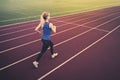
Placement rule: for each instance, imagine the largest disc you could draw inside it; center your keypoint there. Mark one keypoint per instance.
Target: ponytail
(44, 17)
(42, 21)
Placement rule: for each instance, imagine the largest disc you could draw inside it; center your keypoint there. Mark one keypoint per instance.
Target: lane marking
(16, 31)
(22, 18)
(52, 35)
(31, 28)
(99, 18)
(97, 29)
(24, 35)
(18, 26)
(38, 52)
(36, 40)
(58, 16)
(56, 22)
(77, 54)
(110, 20)
(38, 20)
(21, 60)
(28, 34)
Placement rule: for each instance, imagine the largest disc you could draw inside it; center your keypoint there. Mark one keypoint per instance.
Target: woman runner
(47, 28)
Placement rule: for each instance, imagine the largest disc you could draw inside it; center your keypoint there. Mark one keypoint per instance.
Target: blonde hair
(44, 16)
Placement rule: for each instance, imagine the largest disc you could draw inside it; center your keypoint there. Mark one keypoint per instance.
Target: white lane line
(38, 52)
(35, 33)
(23, 25)
(57, 22)
(77, 16)
(30, 34)
(31, 28)
(51, 18)
(20, 25)
(100, 18)
(56, 16)
(86, 26)
(77, 54)
(83, 25)
(75, 11)
(96, 29)
(52, 35)
(21, 60)
(38, 19)
(36, 16)
(16, 31)
(36, 40)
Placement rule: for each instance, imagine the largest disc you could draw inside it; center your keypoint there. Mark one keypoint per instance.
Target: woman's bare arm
(40, 24)
(37, 28)
(53, 27)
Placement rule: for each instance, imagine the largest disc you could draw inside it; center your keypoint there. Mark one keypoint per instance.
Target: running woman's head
(45, 16)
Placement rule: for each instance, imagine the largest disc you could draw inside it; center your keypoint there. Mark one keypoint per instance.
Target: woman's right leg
(44, 49)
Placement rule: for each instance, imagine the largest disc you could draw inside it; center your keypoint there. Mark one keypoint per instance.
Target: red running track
(87, 43)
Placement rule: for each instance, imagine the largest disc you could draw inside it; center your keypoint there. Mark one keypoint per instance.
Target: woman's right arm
(36, 29)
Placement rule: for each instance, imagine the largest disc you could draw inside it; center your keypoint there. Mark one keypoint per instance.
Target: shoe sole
(35, 66)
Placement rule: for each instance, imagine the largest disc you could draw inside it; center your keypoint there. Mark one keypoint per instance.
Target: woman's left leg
(53, 55)
(51, 47)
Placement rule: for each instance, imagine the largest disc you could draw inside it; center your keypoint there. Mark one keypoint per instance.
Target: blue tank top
(46, 31)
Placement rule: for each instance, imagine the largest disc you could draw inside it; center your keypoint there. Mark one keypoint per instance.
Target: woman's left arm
(53, 27)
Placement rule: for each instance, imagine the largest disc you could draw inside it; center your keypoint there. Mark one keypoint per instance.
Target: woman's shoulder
(50, 23)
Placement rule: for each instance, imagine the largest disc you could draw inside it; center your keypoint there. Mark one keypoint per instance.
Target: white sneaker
(35, 64)
(54, 55)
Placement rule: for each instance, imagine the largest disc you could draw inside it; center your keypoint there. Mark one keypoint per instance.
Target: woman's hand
(36, 29)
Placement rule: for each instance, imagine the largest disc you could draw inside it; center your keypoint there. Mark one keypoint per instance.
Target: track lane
(97, 21)
(37, 21)
(13, 41)
(23, 40)
(22, 29)
(9, 36)
(116, 8)
(112, 25)
(18, 50)
(64, 53)
(24, 51)
(13, 77)
(107, 10)
(93, 24)
(100, 62)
